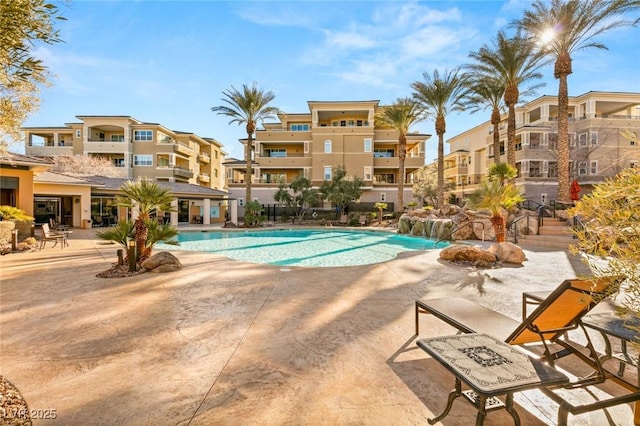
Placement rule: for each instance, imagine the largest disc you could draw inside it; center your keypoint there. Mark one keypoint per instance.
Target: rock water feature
(458, 223)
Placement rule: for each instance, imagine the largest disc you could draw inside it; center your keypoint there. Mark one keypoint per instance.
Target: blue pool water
(303, 247)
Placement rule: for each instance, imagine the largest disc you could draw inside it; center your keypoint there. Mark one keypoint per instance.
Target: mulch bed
(119, 271)
(13, 408)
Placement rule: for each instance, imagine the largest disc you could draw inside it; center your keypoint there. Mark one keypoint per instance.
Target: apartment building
(313, 143)
(139, 149)
(598, 149)
(190, 166)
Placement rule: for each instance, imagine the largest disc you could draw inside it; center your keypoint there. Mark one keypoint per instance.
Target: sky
(169, 62)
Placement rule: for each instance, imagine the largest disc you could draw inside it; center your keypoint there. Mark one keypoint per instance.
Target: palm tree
(147, 196)
(487, 91)
(248, 107)
(514, 61)
(400, 116)
(566, 27)
(493, 195)
(437, 96)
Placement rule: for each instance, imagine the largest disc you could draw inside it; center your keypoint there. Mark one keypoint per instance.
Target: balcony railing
(204, 158)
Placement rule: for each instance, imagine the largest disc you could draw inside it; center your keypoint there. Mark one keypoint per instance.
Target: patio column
(174, 213)
(233, 211)
(206, 214)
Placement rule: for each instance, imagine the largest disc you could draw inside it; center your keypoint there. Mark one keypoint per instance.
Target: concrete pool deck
(229, 342)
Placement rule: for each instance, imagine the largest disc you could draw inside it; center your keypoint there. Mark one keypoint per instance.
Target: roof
(114, 184)
(59, 178)
(12, 158)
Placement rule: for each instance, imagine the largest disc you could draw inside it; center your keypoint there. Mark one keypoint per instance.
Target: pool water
(303, 247)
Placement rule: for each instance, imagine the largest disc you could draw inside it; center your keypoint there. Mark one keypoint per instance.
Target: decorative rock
(508, 253)
(467, 253)
(162, 262)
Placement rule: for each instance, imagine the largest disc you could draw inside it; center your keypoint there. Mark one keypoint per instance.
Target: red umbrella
(575, 190)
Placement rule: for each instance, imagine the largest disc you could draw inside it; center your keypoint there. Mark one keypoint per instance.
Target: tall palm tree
(438, 95)
(563, 27)
(487, 92)
(249, 107)
(400, 116)
(146, 196)
(514, 61)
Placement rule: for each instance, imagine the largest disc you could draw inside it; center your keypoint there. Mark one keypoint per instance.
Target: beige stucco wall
(81, 208)
(25, 188)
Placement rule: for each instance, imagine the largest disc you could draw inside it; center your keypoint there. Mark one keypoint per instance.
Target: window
(327, 147)
(299, 127)
(593, 167)
(582, 139)
(384, 178)
(383, 152)
(594, 138)
(582, 168)
(367, 173)
(143, 160)
(327, 173)
(367, 145)
(276, 152)
(118, 162)
(117, 138)
(142, 135)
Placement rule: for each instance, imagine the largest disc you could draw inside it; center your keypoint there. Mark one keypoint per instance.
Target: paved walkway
(226, 342)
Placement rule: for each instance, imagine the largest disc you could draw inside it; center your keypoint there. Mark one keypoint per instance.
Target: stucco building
(598, 122)
(313, 143)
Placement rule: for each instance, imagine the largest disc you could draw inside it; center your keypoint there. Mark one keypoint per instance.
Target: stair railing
(514, 225)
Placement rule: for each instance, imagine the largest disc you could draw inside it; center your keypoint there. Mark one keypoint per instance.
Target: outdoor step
(550, 241)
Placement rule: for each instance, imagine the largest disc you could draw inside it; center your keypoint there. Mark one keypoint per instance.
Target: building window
(383, 153)
(117, 138)
(143, 135)
(384, 178)
(299, 127)
(143, 160)
(582, 168)
(582, 139)
(118, 162)
(306, 147)
(327, 173)
(367, 172)
(594, 138)
(276, 152)
(593, 168)
(327, 147)
(367, 145)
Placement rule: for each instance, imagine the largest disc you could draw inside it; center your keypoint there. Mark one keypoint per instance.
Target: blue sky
(169, 61)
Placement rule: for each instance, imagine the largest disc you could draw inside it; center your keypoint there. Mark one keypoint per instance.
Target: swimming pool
(303, 247)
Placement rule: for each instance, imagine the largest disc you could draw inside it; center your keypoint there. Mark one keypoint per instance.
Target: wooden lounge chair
(48, 235)
(562, 311)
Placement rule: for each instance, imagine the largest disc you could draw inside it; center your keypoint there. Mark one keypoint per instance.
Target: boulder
(162, 262)
(468, 253)
(508, 252)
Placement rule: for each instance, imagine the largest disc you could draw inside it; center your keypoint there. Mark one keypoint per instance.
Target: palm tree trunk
(402, 154)
(511, 136)
(247, 156)
(495, 120)
(563, 140)
(441, 127)
(498, 224)
(141, 234)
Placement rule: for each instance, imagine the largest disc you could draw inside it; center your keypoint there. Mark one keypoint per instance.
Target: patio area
(227, 342)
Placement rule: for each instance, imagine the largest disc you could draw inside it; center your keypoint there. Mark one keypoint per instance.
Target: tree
(494, 195)
(610, 232)
(381, 207)
(487, 92)
(253, 214)
(341, 189)
(147, 197)
(85, 165)
(501, 172)
(23, 23)
(249, 107)
(513, 61)
(560, 28)
(14, 214)
(301, 200)
(438, 95)
(400, 116)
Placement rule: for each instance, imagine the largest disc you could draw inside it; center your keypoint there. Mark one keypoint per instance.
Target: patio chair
(48, 235)
(57, 226)
(562, 311)
(362, 220)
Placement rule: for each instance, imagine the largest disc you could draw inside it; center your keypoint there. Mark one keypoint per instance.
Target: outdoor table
(490, 368)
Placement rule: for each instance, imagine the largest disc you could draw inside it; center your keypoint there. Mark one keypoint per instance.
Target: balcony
(98, 146)
(286, 162)
(204, 158)
(392, 162)
(43, 151)
(203, 177)
(179, 148)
